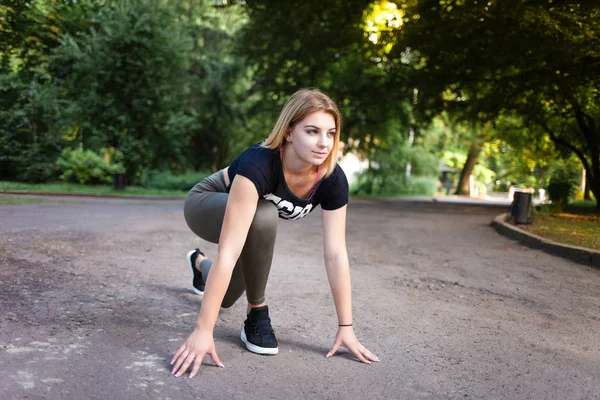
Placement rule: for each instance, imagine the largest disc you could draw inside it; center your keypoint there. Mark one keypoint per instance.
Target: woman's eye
(331, 134)
(312, 131)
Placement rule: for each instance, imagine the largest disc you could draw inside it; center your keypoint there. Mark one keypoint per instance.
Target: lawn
(581, 230)
(72, 188)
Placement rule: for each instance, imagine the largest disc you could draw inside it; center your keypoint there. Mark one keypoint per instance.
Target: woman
(286, 176)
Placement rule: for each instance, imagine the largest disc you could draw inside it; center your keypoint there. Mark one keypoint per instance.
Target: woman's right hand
(197, 345)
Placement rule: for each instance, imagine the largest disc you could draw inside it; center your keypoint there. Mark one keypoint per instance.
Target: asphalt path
(95, 298)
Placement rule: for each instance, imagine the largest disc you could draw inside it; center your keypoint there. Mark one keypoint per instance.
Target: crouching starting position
(286, 176)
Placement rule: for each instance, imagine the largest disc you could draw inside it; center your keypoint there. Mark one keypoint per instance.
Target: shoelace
(263, 327)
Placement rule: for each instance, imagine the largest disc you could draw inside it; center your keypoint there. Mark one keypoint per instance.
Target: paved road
(95, 299)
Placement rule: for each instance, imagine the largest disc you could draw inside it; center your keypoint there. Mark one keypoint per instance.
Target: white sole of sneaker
(257, 349)
(189, 261)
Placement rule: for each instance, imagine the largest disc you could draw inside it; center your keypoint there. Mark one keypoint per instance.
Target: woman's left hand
(345, 337)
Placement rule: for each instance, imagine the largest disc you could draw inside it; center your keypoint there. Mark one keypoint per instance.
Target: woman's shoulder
(336, 182)
(254, 158)
(255, 163)
(338, 176)
(258, 152)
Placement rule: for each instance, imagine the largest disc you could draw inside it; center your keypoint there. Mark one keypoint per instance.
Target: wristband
(340, 325)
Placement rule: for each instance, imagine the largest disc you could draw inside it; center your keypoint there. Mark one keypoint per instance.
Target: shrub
(38, 171)
(36, 164)
(563, 181)
(422, 185)
(87, 167)
(369, 183)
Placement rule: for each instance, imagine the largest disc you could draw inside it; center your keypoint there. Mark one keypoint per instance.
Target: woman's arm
(338, 273)
(336, 262)
(239, 213)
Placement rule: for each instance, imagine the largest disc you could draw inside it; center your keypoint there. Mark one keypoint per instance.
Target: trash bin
(519, 209)
(118, 181)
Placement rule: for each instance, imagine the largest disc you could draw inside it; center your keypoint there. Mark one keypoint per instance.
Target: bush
(169, 181)
(87, 167)
(36, 164)
(369, 183)
(421, 185)
(563, 181)
(39, 171)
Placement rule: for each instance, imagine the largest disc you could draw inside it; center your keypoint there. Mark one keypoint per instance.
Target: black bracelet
(340, 325)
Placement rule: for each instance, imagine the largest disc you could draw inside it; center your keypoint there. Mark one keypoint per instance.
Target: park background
(95, 291)
(166, 91)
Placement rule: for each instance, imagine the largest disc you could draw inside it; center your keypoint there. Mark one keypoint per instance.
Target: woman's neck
(294, 166)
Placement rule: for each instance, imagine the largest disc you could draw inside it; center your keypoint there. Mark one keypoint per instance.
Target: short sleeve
(336, 195)
(254, 164)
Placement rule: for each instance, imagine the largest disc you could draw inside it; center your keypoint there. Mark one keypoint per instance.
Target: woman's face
(312, 138)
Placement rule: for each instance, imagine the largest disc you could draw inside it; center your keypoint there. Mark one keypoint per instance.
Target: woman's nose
(322, 140)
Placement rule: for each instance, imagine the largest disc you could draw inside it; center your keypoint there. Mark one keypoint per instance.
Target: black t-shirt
(263, 167)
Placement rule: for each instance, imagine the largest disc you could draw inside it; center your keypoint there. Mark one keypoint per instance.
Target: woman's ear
(288, 135)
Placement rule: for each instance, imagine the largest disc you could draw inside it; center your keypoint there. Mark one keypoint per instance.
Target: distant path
(95, 299)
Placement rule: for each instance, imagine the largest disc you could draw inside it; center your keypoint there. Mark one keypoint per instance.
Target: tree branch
(588, 133)
(566, 144)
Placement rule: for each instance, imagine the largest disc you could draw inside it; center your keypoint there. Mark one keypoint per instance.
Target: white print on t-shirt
(286, 209)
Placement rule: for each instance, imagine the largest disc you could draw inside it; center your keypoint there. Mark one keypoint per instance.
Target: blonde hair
(299, 105)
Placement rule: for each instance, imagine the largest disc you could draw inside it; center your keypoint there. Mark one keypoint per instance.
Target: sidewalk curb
(580, 255)
(93, 195)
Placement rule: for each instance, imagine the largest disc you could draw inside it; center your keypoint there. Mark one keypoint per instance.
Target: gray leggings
(204, 210)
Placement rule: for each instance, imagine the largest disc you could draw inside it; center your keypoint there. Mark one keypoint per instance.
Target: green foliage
(31, 29)
(168, 181)
(158, 80)
(517, 165)
(323, 45)
(223, 110)
(88, 167)
(387, 170)
(37, 164)
(462, 57)
(563, 181)
(372, 183)
(30, 138)
(186, 85)
(483, 175)
(125, 78)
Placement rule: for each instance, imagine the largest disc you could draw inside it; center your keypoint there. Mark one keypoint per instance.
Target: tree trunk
(594, 185)
(586, 190)
(463, 187)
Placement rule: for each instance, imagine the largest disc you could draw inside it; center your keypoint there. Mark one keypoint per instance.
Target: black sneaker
(258, 335)
(198, 280)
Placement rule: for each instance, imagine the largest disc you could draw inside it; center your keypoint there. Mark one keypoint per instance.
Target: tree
(219, 96)
(123, 81)
(538, 58)
(322, 44)
(31, 135)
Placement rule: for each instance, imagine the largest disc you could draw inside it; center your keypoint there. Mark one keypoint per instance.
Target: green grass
(574, 229)
(9, 200)
(73, 188)
(583, 203)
